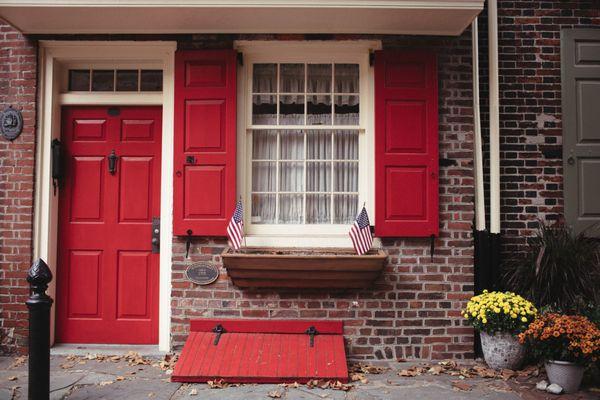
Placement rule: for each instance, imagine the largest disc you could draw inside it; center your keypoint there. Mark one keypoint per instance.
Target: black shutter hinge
(188, 242)
(312, 332)
(240, 59)
(371, 59)
(432, 244)
(218, 330)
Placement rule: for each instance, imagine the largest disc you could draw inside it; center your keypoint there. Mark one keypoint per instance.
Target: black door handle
(112, 162)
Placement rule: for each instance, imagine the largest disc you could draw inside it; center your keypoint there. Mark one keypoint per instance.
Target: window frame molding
(295, 235)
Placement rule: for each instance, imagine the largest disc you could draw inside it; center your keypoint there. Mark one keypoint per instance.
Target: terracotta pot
(502, 350)
(566, 374)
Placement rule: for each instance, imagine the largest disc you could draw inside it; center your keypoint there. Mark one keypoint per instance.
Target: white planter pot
(502, 350)
(566, 374)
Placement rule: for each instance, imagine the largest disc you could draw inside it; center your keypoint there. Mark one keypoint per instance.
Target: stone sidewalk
(134, 377)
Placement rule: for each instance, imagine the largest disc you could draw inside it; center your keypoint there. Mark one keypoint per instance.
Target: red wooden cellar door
(107, 274)
(262, 351)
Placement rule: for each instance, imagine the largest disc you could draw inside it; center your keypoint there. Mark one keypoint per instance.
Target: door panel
(580, 56)
(107, 274)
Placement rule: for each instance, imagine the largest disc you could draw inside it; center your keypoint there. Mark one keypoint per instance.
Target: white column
(494, 117)
(477, 150)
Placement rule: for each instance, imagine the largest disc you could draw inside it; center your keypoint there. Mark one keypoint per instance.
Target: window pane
(79, 80)
(290, 209)
(291, 177)
(346, 145)
(318, 109)
(292, 145)
(264, 79)
(347, 110)
(291, 78)
(127, 80)
(318, 176)
(346, 78)
(345, 176)
(263, 209)
(318, 208)
(151, 80)
(291, 110)
(264, 176)
(103, 80)
(318, 145)
(345, 208)
(264, 110)
(319, 78)
(264, 145)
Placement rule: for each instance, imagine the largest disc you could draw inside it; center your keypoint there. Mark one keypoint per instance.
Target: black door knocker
(112, 162)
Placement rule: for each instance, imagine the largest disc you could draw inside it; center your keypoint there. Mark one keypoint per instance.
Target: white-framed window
(305, 137)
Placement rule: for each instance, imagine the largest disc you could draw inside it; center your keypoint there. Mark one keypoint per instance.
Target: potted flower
(567, 343)
(499, 317)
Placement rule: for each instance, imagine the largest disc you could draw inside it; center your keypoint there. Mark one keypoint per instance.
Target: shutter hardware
(311, 332)
(188, 242)
(218, 330)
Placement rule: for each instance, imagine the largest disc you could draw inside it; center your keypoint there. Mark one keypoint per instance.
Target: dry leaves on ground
(275, 394)
(294, 385)
(476, 371)
(366, 368)
(194, 392)
(217, 384)
(18, 362)
(323, 384)
(12, 378)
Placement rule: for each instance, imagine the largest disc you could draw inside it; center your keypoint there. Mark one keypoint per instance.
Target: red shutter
(205, 133)
(406, 144)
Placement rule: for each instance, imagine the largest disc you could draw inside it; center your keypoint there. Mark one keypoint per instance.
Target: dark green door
(580, 58)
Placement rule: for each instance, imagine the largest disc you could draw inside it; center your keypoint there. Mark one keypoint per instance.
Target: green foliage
(559, 269)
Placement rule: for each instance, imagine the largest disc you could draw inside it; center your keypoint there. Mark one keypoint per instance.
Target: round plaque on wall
(11, 123)
(202, 273)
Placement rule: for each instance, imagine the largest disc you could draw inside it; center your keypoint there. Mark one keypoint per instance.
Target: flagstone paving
(133, 377)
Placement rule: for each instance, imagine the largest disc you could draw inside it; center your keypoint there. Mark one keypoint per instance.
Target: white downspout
(494, 118)
(477, 151)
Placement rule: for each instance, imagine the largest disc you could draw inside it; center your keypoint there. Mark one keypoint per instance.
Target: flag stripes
(235, 229)
(360, 233)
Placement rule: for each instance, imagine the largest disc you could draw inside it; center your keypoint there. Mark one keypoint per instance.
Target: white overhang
(416, 17)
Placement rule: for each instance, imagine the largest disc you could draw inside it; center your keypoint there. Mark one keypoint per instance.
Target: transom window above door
(307, 149)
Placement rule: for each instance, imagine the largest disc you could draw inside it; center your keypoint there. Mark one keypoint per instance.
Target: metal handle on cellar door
(112, 162)
(570, 160)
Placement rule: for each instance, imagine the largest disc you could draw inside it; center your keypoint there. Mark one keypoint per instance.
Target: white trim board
(52, 56)
(419, 17)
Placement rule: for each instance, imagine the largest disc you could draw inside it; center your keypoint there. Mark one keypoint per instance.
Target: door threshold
(79, 349)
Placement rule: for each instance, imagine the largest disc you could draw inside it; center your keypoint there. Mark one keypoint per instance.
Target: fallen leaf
(19, 361)
(461, 385)
(151, 394)
(217, 384)
(194, 392)
(507, 374)
(435, 370)
(105, 383)
(120, 378)
(12, 378)
(275, 394)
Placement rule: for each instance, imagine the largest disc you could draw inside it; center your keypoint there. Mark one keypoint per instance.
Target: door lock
(570, 160)
(155, 235)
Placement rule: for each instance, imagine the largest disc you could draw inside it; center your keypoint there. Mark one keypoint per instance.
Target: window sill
(303, 268)
(312, 241)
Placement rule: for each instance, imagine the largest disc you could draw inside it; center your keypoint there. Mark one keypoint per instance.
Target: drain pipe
(493, 272)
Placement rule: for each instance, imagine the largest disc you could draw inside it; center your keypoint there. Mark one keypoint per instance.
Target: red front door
(107, 274)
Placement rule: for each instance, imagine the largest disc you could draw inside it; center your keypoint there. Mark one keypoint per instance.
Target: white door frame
(53, 58)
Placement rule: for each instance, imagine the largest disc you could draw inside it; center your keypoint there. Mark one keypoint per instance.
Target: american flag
(360, 233)
(235, 229)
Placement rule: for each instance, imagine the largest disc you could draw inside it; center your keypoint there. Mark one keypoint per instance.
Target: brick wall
(530, 108)
(18, 67)
(414, 309)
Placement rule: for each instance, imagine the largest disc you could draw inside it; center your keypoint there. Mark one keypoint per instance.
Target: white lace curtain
(305, 176)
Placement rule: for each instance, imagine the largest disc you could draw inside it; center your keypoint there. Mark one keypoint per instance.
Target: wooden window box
(303, 268)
